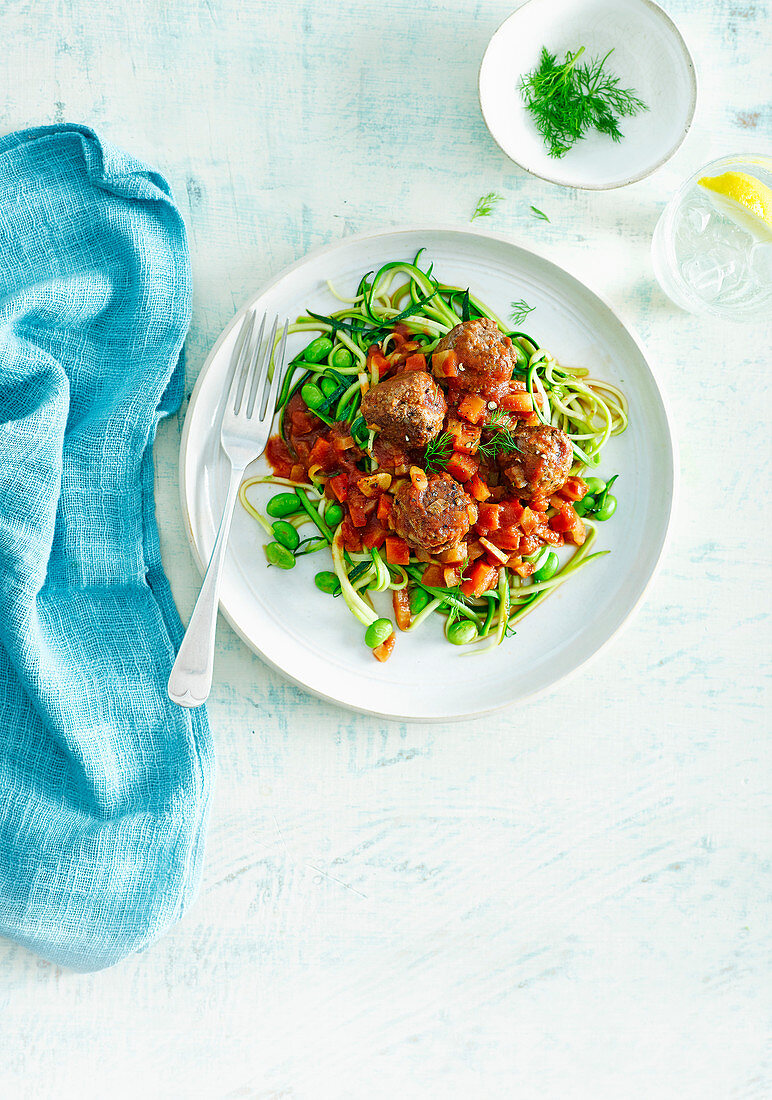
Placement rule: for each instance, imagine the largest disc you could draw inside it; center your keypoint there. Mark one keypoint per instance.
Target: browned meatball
(408, 409)
(434, 518)
(544, 461)
(484, 355)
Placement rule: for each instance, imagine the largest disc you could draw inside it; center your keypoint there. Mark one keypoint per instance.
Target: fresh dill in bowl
(568, 98)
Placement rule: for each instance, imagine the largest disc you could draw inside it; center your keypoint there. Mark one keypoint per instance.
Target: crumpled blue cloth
(104, 783)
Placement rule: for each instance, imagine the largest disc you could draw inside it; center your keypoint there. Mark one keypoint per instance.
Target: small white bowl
(650, 56)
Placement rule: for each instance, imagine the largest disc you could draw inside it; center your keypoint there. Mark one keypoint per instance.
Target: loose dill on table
(566, 99)
(486, 205)
(520, 311)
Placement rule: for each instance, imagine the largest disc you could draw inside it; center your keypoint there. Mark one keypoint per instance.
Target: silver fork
(246, 426)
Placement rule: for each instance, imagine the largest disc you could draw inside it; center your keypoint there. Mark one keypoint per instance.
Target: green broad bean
(595, 485)
(312, 395)
(419, 598)
(341, 358)
(285, 534)
(328, 386)
(283, 504)
(607, 509)
(279, 555)
(326, 581)
(585, 505)
(549, 569)
(333, 515)
(378, 632)
(318, 349)
(462, 632)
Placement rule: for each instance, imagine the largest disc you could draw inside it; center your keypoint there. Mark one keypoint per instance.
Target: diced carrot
(489, 517)
(482, 577)
(478, 489)
(357, 508)
(574, 489)
(352, 539)
(464, 437)
(433, 576)
(339, 486)
(376, 358)
(462, 467)
(511, 512)
(385, 504)
(415, 362)
(373, 535)
(401, 604)
(538, 502)
(383, 651)
(397, 551)
(472, 408)
(445, 364)
(565, 518)
(517, 402)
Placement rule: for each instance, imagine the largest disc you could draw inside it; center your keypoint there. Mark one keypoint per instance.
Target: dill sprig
(438, 452)
(501, 442)
(519, 311)
(566, 99)
(537, 213)
(485, 205)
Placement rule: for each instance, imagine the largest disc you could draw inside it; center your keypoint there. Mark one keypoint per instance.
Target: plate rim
(373, 234)
(636, 178)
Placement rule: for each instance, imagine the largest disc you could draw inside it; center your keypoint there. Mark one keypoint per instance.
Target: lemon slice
(744, 199)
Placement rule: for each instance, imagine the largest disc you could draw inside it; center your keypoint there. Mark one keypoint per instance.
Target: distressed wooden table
(565, 900)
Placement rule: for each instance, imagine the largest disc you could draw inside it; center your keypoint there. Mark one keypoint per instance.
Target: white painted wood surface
(565, 901)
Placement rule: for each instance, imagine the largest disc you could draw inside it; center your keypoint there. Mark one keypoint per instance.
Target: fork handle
(191, 677)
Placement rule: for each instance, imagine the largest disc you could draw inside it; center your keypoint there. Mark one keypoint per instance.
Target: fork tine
(253, 373)
(278, 370)
(262, 361)
(239, 357)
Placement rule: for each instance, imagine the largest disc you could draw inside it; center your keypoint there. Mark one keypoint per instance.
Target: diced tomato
(401, 604)
(465, 437)
(482, 577)
(373, 535)
(433, 576)
(462, 467)
(472, 408)
(357, 507)
(339, 486)
(538, 502)
(302, 421)
(415, 362)
(517, 402)
(445, 364)
(323, 454)
(508, 538)
(574, 489)
(511, 512)
(383, 651)
(352, 539)
(279, 458)
(478, 489)
(489, 517)
(397, 551)
(385, 504)
(565, 519)
(298, 473)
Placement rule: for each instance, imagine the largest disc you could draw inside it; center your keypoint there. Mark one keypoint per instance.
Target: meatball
(484, 355)
(408, 409)
(544, 461)
(434, 518)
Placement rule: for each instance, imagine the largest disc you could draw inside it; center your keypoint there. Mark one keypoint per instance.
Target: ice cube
(761, 263)
(704, 275)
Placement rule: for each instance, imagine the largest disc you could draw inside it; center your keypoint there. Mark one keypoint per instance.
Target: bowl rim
(692, 72)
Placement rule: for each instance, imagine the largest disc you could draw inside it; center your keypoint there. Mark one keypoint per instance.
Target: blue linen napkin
(104, 783)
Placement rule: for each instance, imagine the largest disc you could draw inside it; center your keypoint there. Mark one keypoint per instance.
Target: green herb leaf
(438, 452)
(502, 442)
(539, 214)
(567, 99)
(485, 205)
(520, 311)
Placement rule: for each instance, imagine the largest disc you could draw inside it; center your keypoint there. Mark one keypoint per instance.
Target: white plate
(313, 638)
(650, 56)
